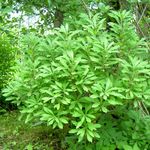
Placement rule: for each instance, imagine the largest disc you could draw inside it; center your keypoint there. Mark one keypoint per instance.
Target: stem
(86, 8)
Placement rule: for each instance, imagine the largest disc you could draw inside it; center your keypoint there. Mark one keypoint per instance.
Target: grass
(16, 135)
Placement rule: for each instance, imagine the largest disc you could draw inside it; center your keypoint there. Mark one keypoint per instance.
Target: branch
(142, 14)
(86, 8)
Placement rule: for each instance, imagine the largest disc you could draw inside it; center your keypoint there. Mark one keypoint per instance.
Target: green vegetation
(79, 78)
(7, 57)
(14, 134)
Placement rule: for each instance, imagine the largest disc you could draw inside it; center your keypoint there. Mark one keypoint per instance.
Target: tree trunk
(59, 17)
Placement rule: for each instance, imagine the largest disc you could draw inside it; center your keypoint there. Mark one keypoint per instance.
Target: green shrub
(81, 80)
(7, 56)
(6, 59)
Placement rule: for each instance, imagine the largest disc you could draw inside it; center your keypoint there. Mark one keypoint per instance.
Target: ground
(16, 135)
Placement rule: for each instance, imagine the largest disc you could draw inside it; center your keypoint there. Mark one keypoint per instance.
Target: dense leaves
(77, 79)
(7, 56)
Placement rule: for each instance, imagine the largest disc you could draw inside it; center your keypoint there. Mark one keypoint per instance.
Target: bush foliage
(92, 82)
(7, 56)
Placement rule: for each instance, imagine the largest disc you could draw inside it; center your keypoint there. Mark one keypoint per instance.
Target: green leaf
(96, 104)
(94, 96)
(127, 147)
(73, 131)
(116, 94)
(97, 125)
(9, 98)
(76, 114)
(29, 147)
(49, 2)
(88, 119)
(80, 138)
(28, 118)
(79, 124)
(64, 102)
(57, 106)
(96, 135)
(91, 126)
(70, 54)
(91, 133)
(64, 120)
(90, 115)
(114, 102)
(7, 9)
(45, 117)
(89, 137)
(104, 109)
(50, 121)
(55, 125)
(135, 147)
(60, 125)
(85, 88)
(47, 110)
(46, 99)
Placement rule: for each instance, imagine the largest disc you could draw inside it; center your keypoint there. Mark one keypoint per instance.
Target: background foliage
(7, 56)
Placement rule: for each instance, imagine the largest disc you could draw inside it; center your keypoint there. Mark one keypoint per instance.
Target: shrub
(75, 79)
(7, 55)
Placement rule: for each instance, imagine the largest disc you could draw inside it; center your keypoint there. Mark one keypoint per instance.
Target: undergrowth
(17, 135)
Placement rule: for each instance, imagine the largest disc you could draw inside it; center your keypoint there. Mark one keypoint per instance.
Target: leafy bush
(7, 55)
(6, 60)
(82, 80)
